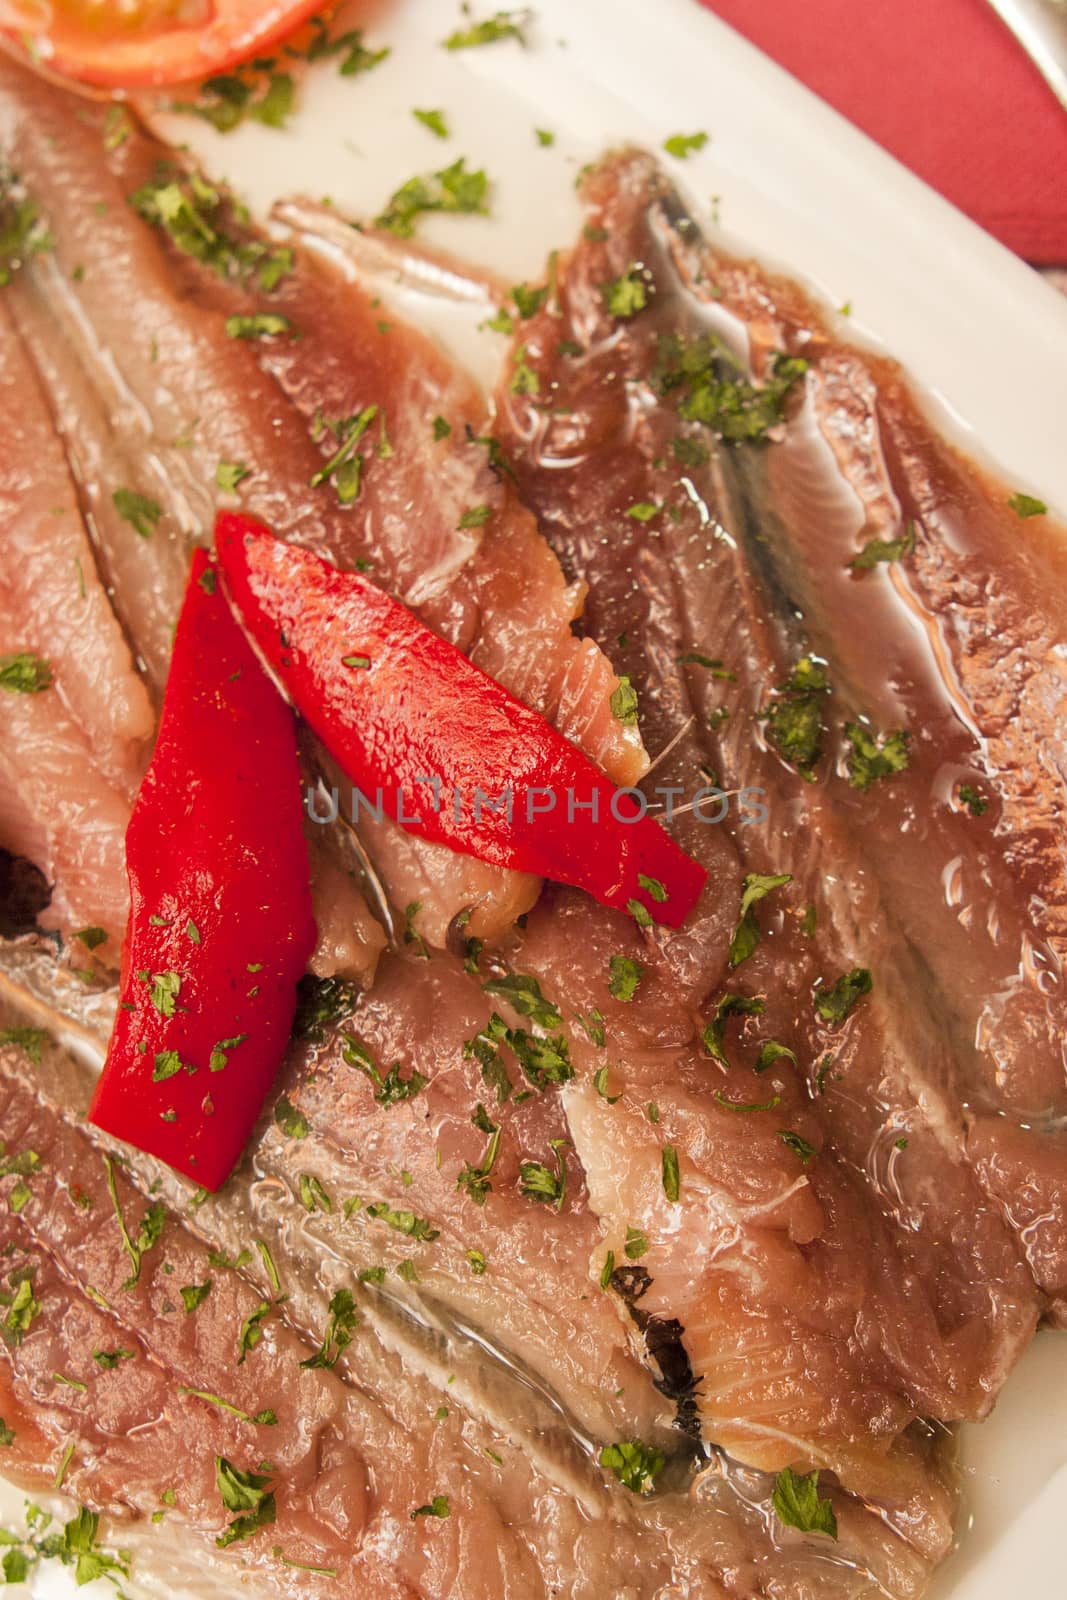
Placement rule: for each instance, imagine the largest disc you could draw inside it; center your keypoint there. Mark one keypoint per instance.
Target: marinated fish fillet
(508, 607)
(685, 608)
(74, 742)
(351, 1513)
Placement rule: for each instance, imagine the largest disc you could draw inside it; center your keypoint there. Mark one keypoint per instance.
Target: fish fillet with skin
(72, 754)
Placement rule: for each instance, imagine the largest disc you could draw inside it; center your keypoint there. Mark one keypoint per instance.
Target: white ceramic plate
(798, 186)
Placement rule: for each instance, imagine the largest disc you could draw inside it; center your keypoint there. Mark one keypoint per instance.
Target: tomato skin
(155, 56)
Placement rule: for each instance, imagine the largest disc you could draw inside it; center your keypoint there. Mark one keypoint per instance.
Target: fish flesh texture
(542, 1182)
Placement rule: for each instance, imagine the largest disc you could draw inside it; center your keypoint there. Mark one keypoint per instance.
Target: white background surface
(802, 189)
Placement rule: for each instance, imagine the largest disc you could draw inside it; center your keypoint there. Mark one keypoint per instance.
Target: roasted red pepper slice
(220, 925)
(405, 713)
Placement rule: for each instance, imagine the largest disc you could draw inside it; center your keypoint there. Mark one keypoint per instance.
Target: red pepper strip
(401, 709)
(220, 925)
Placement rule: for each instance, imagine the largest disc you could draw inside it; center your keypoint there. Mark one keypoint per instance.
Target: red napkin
(944, 86)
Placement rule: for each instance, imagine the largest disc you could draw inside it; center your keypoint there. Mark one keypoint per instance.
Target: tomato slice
(136, 44)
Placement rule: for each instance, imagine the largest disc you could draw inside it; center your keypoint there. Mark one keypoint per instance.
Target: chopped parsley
(545, 137)
(405, 1222)
(252, 1330)
(91, 938)
(794, 718)
(313, 1196)
(390, 1089)
(228, 474)
(672, 1183)
(876, 550)
(220, 1054)
(799, 1146)
(25, 673)
(438, 1507)
(164, 989)
(29, 1040)
(683, 145)
(454, 190)
(257, 325)
(22, 1308)
(975, 801)
(501, 25)
(441, 428)
(321, 1002)
(349, 45)
(731, 1005)
(636, 1465)
(623, 702)
(262, 1419)
(625, 296)
(434, 120)
(108, 1360)
(474, 517)
(345, 467)
(713, 388)
(872, 756)
(636, 1244)
(292, 1122)
(148, 1234)
(475, 1179)
(524, 995)
(485, 1049)
(1024, 505)
(796, 1502)
(538, 1182)
(167, 1064)
(754, 887)
(227, 100)
(344, 1319)
(600, 1084)
(194, 1294)
(247, 1493)
(188, 210)
(643, 511)
(770, 1052)
(625, 975)
(22, 232)
(477, 1262)
(833, 1002)
(712, 664)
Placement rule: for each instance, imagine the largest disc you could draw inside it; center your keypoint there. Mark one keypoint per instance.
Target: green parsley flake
(796, 1502)
(228, 474)
(194, 1294)
(833, 1002)
(475, 1180)
(501, 25)
(672, 1184)
(167, 1064)
(438, 1507)
(545, 137)
(91, 938)
(434, 120)
(259, 325)
(247, 1493)
(975, 801)
(292, 1122)
(344, 1319)
(25, 673)
(29, 1040)
(794, 718)
(731, 1005)
(1024, 505)
(770, 1052)
(754, 887)
(138, 510)
(441, 428)
(636, 1465)
(876, 550)
(624, 702)
(453, 190)
(872, 756)
(625, 975)
(714, 388)
(389, 1089)
(624, 297)
(683, 145)
(475, 517)
(643, 511)
(538, 1182)
(523, 993)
